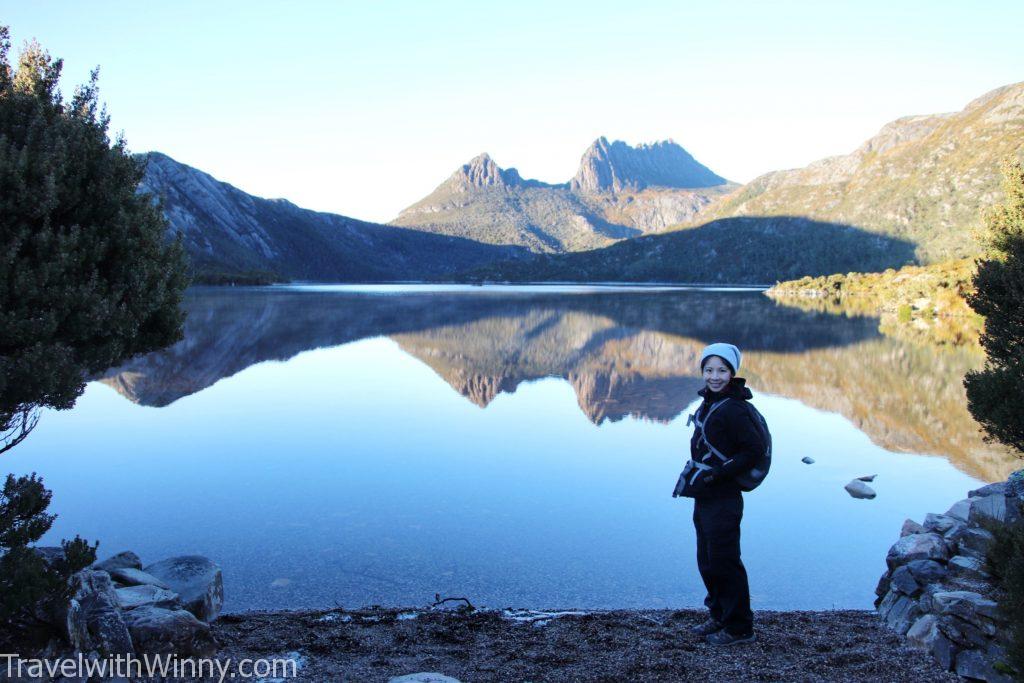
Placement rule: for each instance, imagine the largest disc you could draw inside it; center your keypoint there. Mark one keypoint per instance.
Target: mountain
(911, 194)
(924, 179)
(744, 250)
(616, 167)
(229, 233)
(619, 192)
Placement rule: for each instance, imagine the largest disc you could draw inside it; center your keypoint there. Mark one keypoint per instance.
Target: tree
(87, 274)
(994, 393)
(33, 587)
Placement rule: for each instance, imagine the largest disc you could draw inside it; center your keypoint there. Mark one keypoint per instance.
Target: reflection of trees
(624, 355)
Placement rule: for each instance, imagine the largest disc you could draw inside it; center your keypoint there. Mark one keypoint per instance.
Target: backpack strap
(703, 435)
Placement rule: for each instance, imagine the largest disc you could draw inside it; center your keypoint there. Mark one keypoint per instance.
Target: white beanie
(727, 352)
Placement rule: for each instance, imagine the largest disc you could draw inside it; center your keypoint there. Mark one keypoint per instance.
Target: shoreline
(377, 643)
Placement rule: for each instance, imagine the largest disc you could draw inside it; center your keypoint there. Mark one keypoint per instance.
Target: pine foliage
(993, 393)
(87, 275)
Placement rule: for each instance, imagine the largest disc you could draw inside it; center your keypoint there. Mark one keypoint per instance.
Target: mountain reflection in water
(625, 353)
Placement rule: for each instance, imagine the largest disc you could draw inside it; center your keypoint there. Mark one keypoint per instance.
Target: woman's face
(716, 373)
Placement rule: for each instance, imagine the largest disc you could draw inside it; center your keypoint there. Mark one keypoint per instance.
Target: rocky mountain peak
(481, 171)
(615, 166)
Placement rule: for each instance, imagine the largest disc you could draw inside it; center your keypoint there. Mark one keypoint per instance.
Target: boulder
(962, 633)
(911, 527)
(969, 606)
(807, 460)
(147, 595)
(125, 560)
(961, 510)
(883, 585)
(903, 613)
(940, 523)
(156, 630)
(995, 507)
(868, 477)
(973, 664)
(973, 542)
(197, 581)
(967, 567)
(136, 577)
(903, 580)
(925, 635)
(926, 571)
(101, 612)
(988, 490)
(858, 489)
(928, 546)
(49, 553)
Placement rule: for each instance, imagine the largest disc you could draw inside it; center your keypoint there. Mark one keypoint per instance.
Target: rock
(925, 635)
(902, 614)
(968, 567)
(961, 510)
(995, 507)
(927, 546)
(940, 523)
(136, 577)
(883, 586)
(807, 460)
(969, 606)
(197, 581)
(869, 477)
(858, 489)
(162, 631)
(125, 560)
(973, 542)
(973, 664)
(423, 677)
(101, 612)
(988, 490)
(147, 594)
(911, 527)
(962, 633)
(903, 581)
(49, 553)
(926, 571)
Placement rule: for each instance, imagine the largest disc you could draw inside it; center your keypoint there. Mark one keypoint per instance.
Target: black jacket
(732, 431)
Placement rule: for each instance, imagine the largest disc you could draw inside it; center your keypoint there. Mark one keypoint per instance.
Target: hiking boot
(723, 637)
(707, 628)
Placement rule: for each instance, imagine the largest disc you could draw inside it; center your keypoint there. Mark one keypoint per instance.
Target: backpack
(749, 480)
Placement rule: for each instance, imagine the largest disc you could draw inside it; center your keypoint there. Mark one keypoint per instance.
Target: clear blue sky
(362, 108)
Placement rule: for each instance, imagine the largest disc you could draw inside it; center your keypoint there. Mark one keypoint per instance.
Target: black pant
(717, 521)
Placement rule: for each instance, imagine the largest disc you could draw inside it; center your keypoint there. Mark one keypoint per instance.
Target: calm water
(517, 446)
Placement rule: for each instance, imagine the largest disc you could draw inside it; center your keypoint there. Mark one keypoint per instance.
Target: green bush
(904, 313)
(992, 392)
(1006, 564)
(32, 587)
(87, 274)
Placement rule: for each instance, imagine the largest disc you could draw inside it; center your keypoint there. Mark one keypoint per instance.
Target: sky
(363, 108)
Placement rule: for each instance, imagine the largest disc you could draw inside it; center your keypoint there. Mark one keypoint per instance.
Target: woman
(725, 443)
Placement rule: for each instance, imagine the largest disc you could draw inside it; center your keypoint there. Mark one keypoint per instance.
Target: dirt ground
(620, 645)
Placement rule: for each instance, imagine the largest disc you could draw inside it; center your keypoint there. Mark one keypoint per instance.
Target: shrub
(32, 587)
(1006, 564)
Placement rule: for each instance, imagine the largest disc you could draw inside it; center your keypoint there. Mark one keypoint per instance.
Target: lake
(517, 446)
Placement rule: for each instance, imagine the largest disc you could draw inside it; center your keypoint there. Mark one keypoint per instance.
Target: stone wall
(936, 590)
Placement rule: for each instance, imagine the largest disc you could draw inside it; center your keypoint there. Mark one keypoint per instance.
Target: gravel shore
(619, 645)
